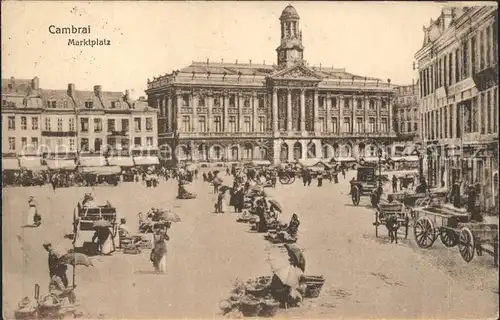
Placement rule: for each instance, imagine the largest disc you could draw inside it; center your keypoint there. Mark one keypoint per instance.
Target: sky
(149, 39)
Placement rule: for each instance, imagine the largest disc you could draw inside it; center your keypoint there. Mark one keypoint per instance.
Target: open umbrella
(170, 216)
(296, 253)
(275, 204)
(75, 258)
(289, 275)
(102, 224)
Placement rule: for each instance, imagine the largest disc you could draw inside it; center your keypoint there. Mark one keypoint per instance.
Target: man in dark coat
(394, 184)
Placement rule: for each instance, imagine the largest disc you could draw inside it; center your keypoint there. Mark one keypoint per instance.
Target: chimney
(98, 91)
(35, 83)
(71, 90)
(127, 95)
(221, 61)
(250, 61)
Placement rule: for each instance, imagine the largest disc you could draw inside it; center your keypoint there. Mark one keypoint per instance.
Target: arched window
(336, 150)
(203, 152)
(311, 150)
(248, 152)
(362, 150)
(234, 153)
(347, 151)
(183, 152)
(216, 153)
(284, 152)
(297, 151)
(326, 151)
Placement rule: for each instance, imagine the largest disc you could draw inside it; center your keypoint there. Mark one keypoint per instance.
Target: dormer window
(65, 104)
(115, 104)
(89, 104)
(51, 104)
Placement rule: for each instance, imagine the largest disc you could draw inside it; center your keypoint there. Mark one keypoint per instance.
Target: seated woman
(57, 287)
(290, 233)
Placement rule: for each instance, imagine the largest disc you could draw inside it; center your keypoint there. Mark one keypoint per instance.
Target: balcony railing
(118, 133)
(282, 134)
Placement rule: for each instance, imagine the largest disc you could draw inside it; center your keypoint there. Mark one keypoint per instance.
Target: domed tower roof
(289, 13)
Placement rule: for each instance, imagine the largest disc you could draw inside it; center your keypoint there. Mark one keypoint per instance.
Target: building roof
(289, 13)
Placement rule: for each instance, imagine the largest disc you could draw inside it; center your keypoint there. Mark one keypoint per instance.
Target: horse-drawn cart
(454, 227)
(393, 216)
(364, 184)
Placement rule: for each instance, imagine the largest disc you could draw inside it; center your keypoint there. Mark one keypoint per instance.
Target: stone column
(302, 110)
(390, 129)
(340, 103)
(492, 43)
(316, 111)
(289, 109)
(226, 116)
(366, 105)
(329, 127)
(169, 112)
(178, 96)
(241, 104)
(255, 105)
(377, 121)
(275, 110)
(210, 104)
(194, 104)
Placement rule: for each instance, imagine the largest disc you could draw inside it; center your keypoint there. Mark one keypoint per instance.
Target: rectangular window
(137, 124)
(11, 123)
(97, 144)
(232, 124)
(218, 123)
(450, 122)
(384, 125)
(149, 141)
(185, 100)
(84, 125)
(347, 125)
(186, 124)
(261, 101)
(47, 124)
(347, 103)
(482, 103)
(72, 124)
(89, 104)
(262, 124)
(24, 143)
(487, 46)
(371, 124)
(202, 124)
(97, 125)
(322, 124)
(458, 123)
(217, 99)
(321, 102)
(201, 101)
(481, 51)
(475, 114)
(488, 111)
(334, 102)
(111, 125)
(232, 100)
(84, 144)
(465, 61)
(335, 125)
(34, 123)
(372, 104)
(450, 69)
(24, 123)
(125, 125)
(137, 142)
(445, 122)
(247, 124)
(473, 54)
(65, 104)
(59, 124)
(12, 143)
(457, 65)
(149, 124)
(34, 143)
(71, 144)
(359, 124)
(495, 109)
(246, 102)
(359, 104)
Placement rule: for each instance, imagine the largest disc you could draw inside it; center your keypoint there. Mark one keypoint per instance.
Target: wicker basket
(313, 286)
(269, 308)
(263, 288)
(250, 308)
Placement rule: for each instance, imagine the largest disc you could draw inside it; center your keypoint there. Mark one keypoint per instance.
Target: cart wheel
(425, 233)
(466, 245)
(448, 237)
(284, 180)
(291, 179)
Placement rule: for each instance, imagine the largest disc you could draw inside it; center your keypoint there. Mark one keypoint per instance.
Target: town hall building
(211, 111)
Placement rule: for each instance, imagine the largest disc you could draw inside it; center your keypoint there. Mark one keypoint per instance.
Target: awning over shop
(92, 161)
(121, 161)
(405, 158)
(261, 162)
(60, 164)
(372, 159)
(401, 173)
(32, 163)
(308, 162)
(102, 170)
(146, 161)
(342, 159)
(10, 164)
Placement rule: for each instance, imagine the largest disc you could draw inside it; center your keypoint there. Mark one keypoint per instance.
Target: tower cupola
(290, 50)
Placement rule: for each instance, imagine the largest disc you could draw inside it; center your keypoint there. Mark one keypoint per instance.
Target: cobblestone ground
(367, 277)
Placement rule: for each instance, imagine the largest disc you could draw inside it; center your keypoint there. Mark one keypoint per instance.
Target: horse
(392, 226)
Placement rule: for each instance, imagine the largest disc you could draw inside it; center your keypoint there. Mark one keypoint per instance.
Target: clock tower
(290, 50)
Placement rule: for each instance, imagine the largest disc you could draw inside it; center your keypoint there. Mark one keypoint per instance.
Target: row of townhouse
(73, 123)
(458, 67)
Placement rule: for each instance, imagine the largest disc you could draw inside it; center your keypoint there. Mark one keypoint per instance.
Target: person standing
(320, 180)
(54, 266)
(394, 184)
